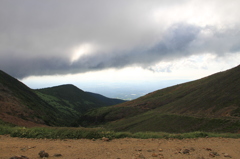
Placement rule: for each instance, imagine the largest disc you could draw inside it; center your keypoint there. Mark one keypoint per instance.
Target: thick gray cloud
(38, 37)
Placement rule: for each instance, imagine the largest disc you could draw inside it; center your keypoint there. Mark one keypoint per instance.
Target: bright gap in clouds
(80, 51)
(133, 82)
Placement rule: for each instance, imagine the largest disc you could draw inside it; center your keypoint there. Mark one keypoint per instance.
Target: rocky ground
(127, 148)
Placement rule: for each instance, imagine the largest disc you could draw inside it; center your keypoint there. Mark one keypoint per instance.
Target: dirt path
(120, 148)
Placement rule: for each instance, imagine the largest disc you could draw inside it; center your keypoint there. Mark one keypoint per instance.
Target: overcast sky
(90, 42)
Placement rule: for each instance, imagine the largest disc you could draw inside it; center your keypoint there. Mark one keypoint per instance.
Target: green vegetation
(55, 106)
(69, 96)
(65, 112)
(106, 101)
(2, 123)
(106, 114)
(208, 104)
(11, 87)
(71, 102)
(172, 123)
(98, 133)
(72, 97)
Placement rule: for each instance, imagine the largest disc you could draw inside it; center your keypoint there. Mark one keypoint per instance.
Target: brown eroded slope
(20, 105)
(12, 110)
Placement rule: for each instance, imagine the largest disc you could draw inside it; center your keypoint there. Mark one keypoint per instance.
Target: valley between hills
(210, 104)
(208, 108)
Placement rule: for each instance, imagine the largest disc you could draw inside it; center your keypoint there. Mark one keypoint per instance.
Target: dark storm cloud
(180, 40)
(38, 37)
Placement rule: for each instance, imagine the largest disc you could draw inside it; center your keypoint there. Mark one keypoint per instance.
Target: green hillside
(105, 100)
(69, 96)
(17, 100)
(55, 106)
(71, 101)
(209, 104)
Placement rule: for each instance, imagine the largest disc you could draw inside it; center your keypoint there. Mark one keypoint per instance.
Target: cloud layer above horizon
(50, 37)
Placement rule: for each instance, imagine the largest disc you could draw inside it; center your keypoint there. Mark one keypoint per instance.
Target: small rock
(19, 157)
(43, 154)
(105, 139)
(192, 149)
(227, 155)
(215, 153)
(160, 150)
(24, 149)
(139, 156)
(57, 155)
(27, 148)
(185, 151)
(161, 155)
(208, 149)
(211, 154)
(154, 155)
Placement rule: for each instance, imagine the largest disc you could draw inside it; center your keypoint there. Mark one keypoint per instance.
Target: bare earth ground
(126, 148)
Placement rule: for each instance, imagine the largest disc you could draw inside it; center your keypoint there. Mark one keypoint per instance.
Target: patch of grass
(147, 135)
(106, 114)
(69, 96)
(98, 133)
(173, 123)
(65, 108)
(54, 132)
(6, 123)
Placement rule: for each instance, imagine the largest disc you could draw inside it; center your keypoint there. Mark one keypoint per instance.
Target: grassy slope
(73, 97)
(11, 87)
(210, 104)
(60, 105)
(72, 101)
(69, 100)
(106, 101)
(69, 96)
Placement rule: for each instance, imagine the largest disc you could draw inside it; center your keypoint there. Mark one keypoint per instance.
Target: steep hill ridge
(20, 105)
(213, 96)
(70, 96)
(105, 100)
(189, 107)
(55, 106)
(71, 102)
